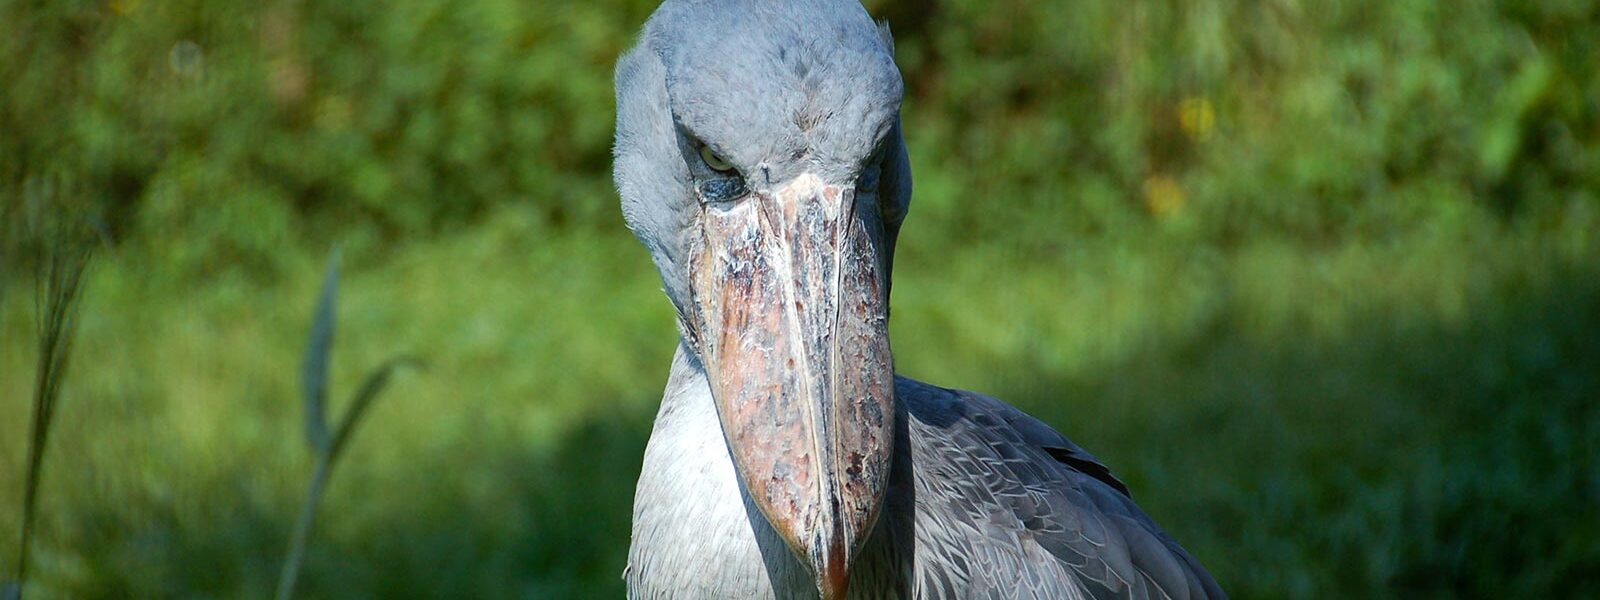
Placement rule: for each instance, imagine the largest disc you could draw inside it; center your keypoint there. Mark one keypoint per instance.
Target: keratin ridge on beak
(794, 338)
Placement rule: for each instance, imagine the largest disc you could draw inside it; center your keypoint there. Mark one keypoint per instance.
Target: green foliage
(1226, 121)
(217, 131)
(1317, 279)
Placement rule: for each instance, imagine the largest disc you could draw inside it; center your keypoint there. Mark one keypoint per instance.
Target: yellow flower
(1163, 196)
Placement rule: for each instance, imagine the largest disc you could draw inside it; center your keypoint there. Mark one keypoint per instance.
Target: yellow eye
(715, 162)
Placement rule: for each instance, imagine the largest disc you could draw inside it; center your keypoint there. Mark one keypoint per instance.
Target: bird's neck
(688, 377)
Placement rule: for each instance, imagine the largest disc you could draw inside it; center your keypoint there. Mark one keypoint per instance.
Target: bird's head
(760, 160)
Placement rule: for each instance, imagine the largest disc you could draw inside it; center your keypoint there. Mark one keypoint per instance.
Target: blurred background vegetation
(1320, 280)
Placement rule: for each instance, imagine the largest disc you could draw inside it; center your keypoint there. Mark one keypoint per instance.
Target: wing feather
(1008, 507)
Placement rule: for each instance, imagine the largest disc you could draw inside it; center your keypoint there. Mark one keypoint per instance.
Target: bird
(760, 159)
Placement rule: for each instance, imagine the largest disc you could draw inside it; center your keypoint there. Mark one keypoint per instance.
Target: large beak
(794, 338)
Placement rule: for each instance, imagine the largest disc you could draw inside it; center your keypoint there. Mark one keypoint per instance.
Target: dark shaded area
(570, 540)
(1431, 459)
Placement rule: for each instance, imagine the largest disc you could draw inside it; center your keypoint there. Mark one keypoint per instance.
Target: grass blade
(326, 447)
(370, 388)
(314, 372)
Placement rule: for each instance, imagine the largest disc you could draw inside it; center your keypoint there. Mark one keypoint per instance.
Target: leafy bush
(216, 130)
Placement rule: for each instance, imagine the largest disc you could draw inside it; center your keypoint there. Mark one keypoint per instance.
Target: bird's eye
(715, 162)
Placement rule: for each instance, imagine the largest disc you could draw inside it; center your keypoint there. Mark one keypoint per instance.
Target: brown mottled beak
(792, 322)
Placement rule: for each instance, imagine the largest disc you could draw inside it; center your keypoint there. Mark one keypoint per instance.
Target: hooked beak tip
(833, 578)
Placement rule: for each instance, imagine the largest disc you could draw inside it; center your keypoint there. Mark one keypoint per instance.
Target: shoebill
(760, 160)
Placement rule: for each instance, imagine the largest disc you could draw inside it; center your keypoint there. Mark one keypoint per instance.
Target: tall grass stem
(302, 529)
(59, 284)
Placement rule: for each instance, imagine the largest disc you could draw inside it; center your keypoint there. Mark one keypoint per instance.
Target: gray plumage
(987, 503)
(982, 501)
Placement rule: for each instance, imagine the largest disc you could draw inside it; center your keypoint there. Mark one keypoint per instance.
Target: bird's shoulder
(997, 490)
(989, 419)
